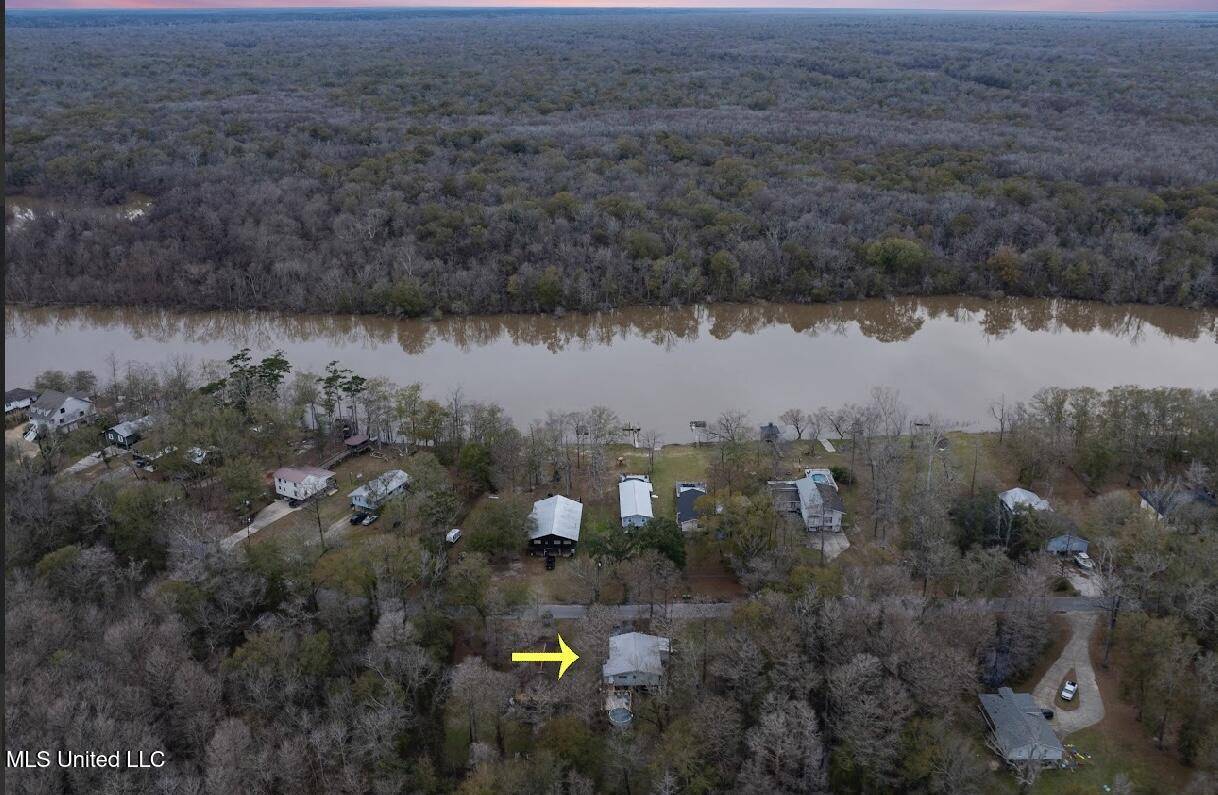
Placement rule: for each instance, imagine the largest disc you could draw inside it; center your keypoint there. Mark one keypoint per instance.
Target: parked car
(356, 518)
(1068, 691)
(453, 536)
(369, 519)
(1048, 713)
(551, 561)
(293, 503)
(1084, 561)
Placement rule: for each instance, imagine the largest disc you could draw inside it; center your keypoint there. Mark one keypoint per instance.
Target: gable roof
(1166, 502)
(52, 400)
(1013, 498)
(301, 474)
(1020, 728)
(131, 427)
(687, 498)
(557, 516)
(1067, 542)
(379, 487)
(634, 652)
(19, 394)
(634, 496)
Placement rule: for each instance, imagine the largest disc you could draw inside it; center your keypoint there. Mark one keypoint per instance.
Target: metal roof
(1013, 498)
(634, 496)
(380, 487)
(557, 516)
(1067, 542)
(132, 427)
(301, 474)
(635, 652)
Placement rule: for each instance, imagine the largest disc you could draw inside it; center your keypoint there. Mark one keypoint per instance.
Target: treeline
(527, 162)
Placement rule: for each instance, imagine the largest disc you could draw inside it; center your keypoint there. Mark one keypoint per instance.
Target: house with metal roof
(301, 483)
(1016, 498)
(380, 490)
(814, 498)
(556, 522)
(1019, 730)
(634, 500)
(636, 660)
(128, 433)
(688, 495)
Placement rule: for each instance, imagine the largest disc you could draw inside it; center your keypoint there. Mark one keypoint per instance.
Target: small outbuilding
(380, 490)
(301, 483)
(634, 500)
(556, 522)
(1019, 730)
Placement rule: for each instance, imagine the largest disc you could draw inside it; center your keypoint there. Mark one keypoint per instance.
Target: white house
(59, 412)
(17, 399)
(636, 660)
(128, 433)
(380, 490)
(301, 483)
(634, 500)
(556, 522)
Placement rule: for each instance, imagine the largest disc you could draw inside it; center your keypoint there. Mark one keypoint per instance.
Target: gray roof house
(61, 412)
(1013, 499)
(378, 491)
(128, 433)
(814, 497)
(1169, 503)
(688, 495)
(1066, 544)
(556, 522)
(1019, 729)
(636, 660)
(634, 500)
(19, 398)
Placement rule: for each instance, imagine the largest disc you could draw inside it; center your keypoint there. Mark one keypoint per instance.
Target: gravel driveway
(1076, 655)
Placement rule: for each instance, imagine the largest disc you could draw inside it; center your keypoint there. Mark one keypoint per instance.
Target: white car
(1084, 561)
(453, 536)
(1068, 691)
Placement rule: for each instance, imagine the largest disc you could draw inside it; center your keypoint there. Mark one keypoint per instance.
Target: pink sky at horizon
(1083, 6)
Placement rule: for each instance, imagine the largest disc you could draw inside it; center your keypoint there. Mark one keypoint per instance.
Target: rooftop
(636, 652)
(634, 496)
(557, 516)
(131, 427)
(1020, 728)
(300, 474)
(384, 484)
(1014, 498)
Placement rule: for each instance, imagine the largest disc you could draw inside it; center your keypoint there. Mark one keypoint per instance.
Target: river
(661, 368)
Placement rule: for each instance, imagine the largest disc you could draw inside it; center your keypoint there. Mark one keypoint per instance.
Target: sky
(946, 5)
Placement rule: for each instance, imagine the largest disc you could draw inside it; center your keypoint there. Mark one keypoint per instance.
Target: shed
(17, 399)
(556, 522)
(1019, 729)
(634, 500)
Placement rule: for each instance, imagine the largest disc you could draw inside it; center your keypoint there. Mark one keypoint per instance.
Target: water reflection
(884, 321)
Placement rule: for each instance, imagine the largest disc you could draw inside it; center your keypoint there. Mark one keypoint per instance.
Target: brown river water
(660, 368)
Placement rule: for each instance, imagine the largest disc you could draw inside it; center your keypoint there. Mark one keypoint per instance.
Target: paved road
(1083, 605)
(268, 515)
(1077, 656)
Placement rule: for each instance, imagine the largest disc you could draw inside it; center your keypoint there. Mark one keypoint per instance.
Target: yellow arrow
(564, 656)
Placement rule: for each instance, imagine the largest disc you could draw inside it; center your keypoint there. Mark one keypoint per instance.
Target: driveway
(1086, 584)
(1076, 655)
(268, 515)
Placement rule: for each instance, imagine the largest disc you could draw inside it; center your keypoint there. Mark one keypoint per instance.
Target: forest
(415, 163)
(376, 659)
